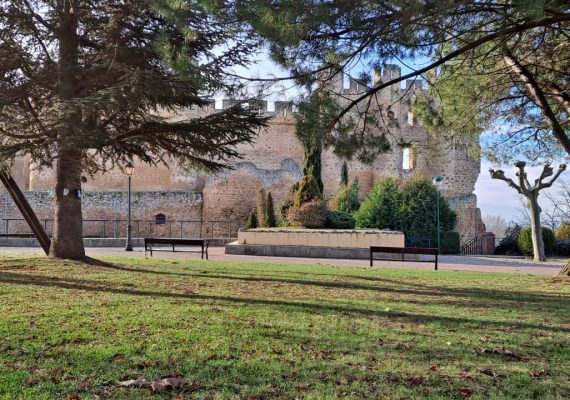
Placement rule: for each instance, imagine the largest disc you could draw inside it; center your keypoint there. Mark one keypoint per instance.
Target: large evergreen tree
(86, 85)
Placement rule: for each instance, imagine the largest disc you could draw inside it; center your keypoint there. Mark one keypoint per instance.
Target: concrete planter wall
(337, 238)
(320, 243)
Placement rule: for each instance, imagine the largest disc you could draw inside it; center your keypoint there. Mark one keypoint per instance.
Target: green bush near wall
(450, 243)
(340, 220)
(525, 241)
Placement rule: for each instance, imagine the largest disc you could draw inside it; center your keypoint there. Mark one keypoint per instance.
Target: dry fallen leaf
(415, 381)
(504, 352)
(141, 382)
(465, 393)
(539, 374)
(174, 381)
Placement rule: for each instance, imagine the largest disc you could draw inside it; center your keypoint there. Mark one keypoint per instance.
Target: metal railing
(117, 228)
(420, 241)
(472, 247)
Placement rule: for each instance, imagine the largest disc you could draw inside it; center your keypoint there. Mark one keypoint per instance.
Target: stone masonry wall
(274, 162)
(111, 206)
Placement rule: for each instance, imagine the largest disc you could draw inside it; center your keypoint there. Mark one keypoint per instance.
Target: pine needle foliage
(88, 85)
(102, 76)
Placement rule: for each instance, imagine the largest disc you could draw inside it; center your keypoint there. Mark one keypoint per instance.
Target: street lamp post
(437, 181)
(129, 170)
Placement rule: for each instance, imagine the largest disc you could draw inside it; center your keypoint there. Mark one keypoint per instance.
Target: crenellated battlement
(277, 109)
(339, 82)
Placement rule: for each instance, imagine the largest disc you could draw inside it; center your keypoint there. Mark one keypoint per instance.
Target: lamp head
(437, 180)
(129, 168)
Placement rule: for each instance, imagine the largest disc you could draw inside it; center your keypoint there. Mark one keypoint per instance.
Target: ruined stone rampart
(274, 161)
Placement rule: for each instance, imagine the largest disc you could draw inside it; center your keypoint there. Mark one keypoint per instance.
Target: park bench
(403, 251)
(150, 243)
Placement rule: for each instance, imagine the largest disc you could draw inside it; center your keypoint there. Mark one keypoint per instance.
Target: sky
(494, 197)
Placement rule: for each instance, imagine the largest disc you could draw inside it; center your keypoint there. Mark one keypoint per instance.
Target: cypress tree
(260, 207)
(270, 220)
(344, 174)
(251, 220)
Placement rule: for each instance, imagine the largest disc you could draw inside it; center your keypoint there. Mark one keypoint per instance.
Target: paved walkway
(447, 263)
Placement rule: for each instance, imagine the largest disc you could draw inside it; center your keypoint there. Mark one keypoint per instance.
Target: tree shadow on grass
(477, 297)
(552, 302)
(97, 287)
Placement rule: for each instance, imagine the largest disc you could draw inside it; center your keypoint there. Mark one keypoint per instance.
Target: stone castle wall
(274, 162)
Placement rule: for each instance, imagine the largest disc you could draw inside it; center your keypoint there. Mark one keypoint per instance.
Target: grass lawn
(253, 330)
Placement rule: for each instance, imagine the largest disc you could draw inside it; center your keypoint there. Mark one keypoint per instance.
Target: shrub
(380, 209)
(450, 243)
(525, 241)
(346, 199)
(312, 214)
(270, 220)
(260, 206)
(562, 247)
(340, 220)
(283, 217)
(308, 190)
(418, 210)
(251, 221)
(563, 232)
(509, 243)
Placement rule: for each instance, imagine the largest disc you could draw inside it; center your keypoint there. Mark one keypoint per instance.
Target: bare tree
(549, 216)
(560, 202)
(531, 193)
(495, 224)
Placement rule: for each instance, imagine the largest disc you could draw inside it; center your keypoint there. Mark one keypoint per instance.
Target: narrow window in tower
(410, 118)
(408, 158)
(345, 82)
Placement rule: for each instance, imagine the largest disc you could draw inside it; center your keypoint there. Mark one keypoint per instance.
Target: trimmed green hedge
(450, 243)
(340, 220)
(525, 241)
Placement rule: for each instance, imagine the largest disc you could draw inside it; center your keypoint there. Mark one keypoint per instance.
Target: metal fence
(420, 241)
(117, 228)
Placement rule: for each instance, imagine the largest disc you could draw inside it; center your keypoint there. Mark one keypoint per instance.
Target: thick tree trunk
(536, 229)
(67, 239)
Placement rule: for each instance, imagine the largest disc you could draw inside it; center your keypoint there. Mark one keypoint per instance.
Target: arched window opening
(160, 219)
